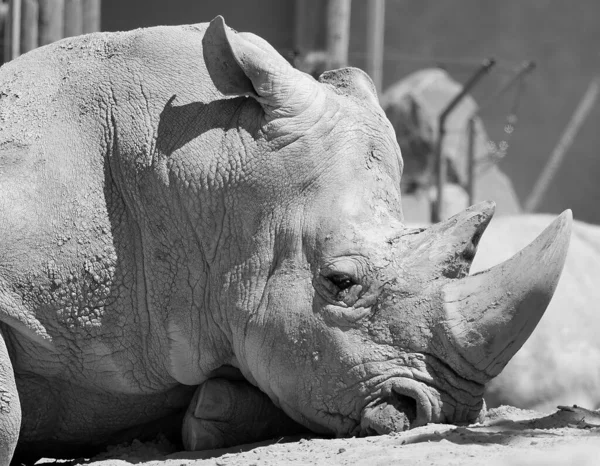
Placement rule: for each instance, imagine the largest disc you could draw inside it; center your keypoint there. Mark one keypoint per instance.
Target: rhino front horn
(490, 315)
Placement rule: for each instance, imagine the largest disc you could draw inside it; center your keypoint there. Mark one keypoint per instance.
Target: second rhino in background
(560, 363)
(413, 105)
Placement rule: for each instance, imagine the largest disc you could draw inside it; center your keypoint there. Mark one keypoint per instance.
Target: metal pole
(338, 33)
(5, 17)
(29, 25)
(7, 31)
(91, 16)
(300, 17)
(436, 210)
(51, 22)
(471, 162)
(375, 37)
(579, 116)
(73, 18)
(523, 69)
(12, 31)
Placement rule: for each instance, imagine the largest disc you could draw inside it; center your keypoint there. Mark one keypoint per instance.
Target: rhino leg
(10, 407)
(224, 413)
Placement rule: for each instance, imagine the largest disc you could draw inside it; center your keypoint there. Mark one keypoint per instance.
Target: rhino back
(88, 127)
(81, 143)
(51, 177)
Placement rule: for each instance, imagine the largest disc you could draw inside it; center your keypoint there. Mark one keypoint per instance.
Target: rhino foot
(224, 413)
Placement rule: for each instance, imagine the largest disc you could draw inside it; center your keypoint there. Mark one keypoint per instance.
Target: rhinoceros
(194, 235)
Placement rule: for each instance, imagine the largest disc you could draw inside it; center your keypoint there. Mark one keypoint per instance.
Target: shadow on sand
(495, 430)
(504, 431)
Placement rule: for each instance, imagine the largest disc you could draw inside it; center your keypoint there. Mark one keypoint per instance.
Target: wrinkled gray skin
(178, 204)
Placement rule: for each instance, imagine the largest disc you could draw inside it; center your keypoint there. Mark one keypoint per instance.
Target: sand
(508, 436)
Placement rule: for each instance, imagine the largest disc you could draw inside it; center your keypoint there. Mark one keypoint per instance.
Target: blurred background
(531, 70)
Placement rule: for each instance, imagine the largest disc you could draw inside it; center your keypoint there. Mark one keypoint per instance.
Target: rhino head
(347, 319)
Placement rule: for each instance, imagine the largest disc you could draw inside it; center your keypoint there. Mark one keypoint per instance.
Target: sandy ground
(508, 436)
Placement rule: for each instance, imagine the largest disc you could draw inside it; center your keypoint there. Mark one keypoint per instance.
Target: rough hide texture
(197, 239)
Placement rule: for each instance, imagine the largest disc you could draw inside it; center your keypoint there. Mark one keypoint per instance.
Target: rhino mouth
(403, 406)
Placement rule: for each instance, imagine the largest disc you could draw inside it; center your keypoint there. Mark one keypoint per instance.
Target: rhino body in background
(413, 106)
(560, 363)
(188, 223)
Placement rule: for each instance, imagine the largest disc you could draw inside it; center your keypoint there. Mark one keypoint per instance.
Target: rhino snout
(403, 406)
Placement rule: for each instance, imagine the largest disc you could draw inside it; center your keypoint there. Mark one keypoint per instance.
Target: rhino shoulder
(17, 232)
(19, 317)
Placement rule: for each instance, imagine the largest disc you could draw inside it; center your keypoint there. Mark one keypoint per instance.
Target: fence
(28, 24)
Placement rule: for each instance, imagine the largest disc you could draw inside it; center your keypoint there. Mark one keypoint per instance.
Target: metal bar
(471, 162)
(375, 38)
(300, 20)
(564, 143)
(91, 16)
(338, 33)
(436, 209)
(12, 31)
(29, 25)
(5, 11)
(51, 22)
(73, 18)
(521, 71)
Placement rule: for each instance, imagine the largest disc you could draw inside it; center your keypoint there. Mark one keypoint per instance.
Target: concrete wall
(271, 19)
(562, 37)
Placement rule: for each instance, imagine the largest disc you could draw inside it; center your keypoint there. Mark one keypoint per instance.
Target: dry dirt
(508, 436)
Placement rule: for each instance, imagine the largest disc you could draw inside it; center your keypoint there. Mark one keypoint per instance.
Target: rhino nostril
(396, 413)
(406, 405)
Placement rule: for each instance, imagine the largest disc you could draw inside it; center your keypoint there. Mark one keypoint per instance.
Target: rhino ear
(351, 81)
(243, 64)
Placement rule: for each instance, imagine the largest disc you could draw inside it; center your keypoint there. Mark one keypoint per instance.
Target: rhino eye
(339, 288)
(342, 282)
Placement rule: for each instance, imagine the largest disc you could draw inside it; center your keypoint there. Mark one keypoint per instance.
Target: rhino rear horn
(450, 246)
(242, 64)
(351, 81)
(490, 315)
